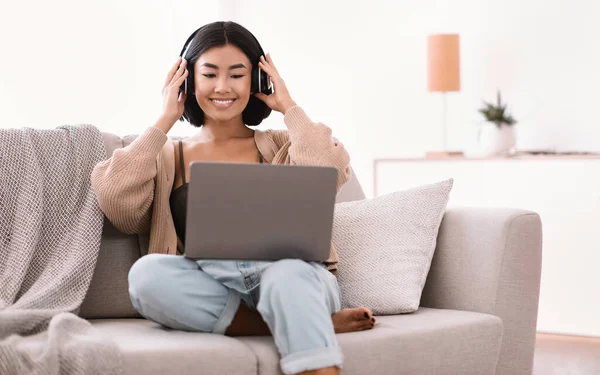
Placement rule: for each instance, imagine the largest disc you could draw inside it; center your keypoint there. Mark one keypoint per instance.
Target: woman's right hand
(173, 100)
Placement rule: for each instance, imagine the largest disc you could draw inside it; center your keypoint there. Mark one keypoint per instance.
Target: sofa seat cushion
(428, 341)
(149, 349)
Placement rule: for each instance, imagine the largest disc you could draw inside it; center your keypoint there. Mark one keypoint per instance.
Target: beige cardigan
(133, 186)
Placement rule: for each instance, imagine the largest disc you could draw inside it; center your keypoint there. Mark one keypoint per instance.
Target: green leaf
(496, 113)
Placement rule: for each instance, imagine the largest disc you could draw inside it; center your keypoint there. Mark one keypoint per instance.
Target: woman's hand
(280, 100)
(173, 100)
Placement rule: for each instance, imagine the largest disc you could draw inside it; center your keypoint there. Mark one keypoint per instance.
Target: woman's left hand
(280, 100)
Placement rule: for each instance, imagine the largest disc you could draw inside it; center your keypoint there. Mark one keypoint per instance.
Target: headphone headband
(188, 43)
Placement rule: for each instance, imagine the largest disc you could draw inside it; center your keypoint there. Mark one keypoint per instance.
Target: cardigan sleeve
(312, 144)
(124, 184)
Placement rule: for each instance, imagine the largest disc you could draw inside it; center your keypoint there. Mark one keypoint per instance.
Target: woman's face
(222, 82)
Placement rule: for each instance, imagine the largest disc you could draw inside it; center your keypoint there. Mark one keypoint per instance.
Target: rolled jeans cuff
(231, 307)
(313, 359)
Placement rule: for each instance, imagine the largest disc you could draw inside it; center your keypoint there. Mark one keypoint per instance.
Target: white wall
(103, 63)
(358, 66)
(369, 58)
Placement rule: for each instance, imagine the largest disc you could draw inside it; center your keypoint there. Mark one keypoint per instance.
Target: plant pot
(497, 140)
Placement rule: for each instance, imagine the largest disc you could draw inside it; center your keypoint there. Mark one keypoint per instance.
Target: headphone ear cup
(265, 84)
(184, 87)
(256, 82)
(188, 83)
(187, 86)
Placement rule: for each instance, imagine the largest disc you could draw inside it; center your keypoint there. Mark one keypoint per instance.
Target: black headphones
(260, 80)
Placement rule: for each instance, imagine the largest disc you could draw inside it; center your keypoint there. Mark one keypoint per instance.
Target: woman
(142, 188)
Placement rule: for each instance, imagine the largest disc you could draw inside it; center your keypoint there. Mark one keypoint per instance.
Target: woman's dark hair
(218, 34)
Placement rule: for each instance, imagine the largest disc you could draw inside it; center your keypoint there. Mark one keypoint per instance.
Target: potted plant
(497, 137)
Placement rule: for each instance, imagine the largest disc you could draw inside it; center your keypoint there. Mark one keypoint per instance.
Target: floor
(566, 355)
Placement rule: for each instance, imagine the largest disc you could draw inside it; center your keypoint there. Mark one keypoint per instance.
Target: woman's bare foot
(249, 322)
(350, 320)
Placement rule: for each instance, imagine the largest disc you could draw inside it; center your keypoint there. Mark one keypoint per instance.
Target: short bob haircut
(218, 34)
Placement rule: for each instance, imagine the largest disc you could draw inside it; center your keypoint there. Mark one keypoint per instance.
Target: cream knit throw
(50, 233)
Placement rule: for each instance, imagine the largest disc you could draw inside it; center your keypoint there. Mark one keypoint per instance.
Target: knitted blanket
(50, 233)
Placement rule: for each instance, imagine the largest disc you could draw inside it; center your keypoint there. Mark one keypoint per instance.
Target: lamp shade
(443, 63)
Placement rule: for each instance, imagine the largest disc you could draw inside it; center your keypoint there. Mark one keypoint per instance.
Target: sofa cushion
(108, 294)
(149, 349)
(429, 341)
(351, 190)
(385, 246)
(425, 342)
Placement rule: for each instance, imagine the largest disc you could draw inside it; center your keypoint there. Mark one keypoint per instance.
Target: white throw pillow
(385, 246)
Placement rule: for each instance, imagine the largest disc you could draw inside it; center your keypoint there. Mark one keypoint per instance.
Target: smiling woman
(220, 85)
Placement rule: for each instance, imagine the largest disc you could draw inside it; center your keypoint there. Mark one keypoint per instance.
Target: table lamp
(443, 74)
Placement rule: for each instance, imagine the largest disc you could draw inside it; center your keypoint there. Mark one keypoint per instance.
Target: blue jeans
(295, 298)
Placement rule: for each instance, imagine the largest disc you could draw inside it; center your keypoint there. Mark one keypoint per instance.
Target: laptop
(248, 211)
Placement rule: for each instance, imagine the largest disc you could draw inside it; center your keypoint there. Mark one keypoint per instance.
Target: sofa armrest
(489, 260)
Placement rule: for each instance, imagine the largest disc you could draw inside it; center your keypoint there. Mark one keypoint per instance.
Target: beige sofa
(478, 313)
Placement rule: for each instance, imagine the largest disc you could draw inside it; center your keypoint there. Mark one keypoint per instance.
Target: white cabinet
(565, 191)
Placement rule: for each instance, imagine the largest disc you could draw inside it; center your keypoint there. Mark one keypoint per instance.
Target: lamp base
(444, 154)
